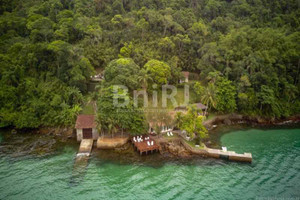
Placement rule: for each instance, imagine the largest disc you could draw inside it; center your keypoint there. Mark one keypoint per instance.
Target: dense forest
(246, 54)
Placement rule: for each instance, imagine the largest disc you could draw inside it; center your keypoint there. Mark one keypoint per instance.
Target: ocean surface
(28, 171)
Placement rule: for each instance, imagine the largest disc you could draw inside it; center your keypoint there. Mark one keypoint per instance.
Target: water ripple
(274, 172)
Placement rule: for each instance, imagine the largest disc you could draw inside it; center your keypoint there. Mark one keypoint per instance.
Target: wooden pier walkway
(142, 146)
(86, 146)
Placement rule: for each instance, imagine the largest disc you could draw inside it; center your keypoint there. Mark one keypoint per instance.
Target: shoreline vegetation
(62, 59)
(176, 146)
(44, 141)
(116, 80)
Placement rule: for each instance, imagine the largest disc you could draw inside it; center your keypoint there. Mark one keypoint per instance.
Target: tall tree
(191, 122)
(225, 96)
(113, 118)
(122, 71)
(159, 71)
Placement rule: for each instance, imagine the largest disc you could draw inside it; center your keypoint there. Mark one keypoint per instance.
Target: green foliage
(225, 96)
(122, 71)
(248, 102)
(199, 89)
(42, 104)
(254, 44)
(191, 122)
(159, 71)
(208, 95)
(267, 101)
(126, 51)
(144, 78)
(113, 118)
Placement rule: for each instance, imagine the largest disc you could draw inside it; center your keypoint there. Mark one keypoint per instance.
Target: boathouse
(86, 127)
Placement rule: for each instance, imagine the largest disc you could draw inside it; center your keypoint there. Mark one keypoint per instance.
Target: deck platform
(229, 155)
(86, 146)
(143, 147)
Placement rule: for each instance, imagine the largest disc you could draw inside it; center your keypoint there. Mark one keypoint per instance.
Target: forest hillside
(247, 52)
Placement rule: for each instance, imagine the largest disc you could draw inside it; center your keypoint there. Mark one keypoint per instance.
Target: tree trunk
(165, 29)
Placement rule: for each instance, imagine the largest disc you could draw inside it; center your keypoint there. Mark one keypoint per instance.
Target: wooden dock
(229, 155)
(86, 146)
(143, 147)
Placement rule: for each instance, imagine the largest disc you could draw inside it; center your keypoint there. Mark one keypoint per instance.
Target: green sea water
(274, 173)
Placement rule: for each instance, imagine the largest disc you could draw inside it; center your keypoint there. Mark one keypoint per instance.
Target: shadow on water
(28, 144)
(79, 169)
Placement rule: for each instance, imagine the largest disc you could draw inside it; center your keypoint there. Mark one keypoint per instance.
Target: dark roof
(200, 106)
(185, 74)
(85, 121)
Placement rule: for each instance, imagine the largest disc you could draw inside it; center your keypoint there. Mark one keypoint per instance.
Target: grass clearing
(193, 144)
(88, 109)
(179, 97)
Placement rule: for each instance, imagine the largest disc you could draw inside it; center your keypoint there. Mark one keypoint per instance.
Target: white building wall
(95, 134)
(79, 134)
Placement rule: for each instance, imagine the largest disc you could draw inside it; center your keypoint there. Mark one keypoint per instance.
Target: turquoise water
(274, 173)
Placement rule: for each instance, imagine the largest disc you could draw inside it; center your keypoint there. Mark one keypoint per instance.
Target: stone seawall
(111, 143)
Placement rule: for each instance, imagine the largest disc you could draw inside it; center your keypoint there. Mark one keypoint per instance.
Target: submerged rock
(30, 143)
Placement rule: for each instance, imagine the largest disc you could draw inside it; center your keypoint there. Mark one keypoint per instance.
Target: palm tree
(100, 125)
(213, 76)
(209, 96)
(179, 119)
(112, 129)
(143, 78)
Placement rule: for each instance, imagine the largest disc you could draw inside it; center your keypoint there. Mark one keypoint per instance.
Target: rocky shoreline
(179, 148)
(176, 147)
(237, 119)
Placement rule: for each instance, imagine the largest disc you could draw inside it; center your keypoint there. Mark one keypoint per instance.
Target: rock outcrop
(173, 147)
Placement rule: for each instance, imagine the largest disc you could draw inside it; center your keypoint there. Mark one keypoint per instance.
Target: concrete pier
(229, 155)
(86, 146)
(218, 153)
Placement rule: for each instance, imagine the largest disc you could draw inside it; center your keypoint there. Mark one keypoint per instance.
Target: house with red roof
(86, 127)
